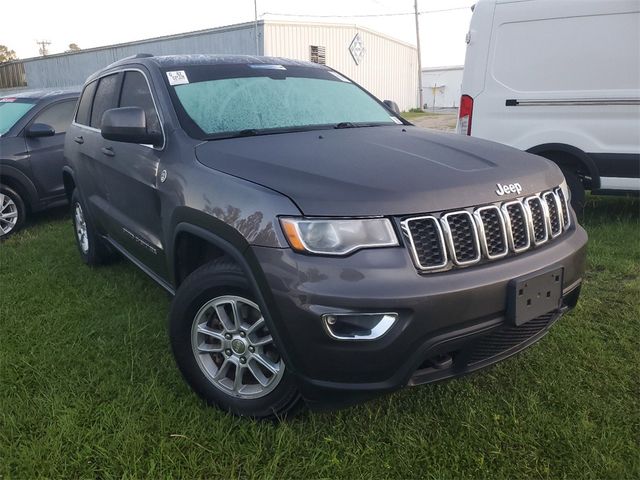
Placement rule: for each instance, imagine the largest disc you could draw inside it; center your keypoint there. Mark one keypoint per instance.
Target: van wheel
(223, 346)
(577, 191)
(92, 249)
(12, 211)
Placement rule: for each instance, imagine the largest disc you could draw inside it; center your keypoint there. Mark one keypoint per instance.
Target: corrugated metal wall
(72, 69)
(388, 68)
(442, 87)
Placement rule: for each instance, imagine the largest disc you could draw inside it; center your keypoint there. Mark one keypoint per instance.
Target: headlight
(338, 236)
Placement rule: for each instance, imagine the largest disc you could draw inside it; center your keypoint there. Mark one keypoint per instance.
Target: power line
(396, 14)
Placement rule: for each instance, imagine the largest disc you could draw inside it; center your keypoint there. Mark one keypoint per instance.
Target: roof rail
(131, 57)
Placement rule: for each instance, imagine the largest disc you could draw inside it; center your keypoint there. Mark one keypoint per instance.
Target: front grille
(494, 236)
(563, 207)
(428, 242)
(507, 337)
(538, 221)
(554, 213)
(517, 225)
(465, 237)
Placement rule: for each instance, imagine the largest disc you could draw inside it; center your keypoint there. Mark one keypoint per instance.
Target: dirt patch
(445, 122)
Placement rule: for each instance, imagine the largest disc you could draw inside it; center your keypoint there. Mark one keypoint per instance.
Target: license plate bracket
(533, 295)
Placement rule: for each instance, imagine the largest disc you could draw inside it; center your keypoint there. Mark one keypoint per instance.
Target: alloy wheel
(8, 214)
(234, 349)
(81, 229)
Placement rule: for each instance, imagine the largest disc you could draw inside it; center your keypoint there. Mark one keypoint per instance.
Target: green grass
(413, 115)
(88, 387)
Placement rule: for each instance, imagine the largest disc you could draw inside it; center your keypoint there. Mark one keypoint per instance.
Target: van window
(135, 93)
(106, 98)
(84, 107)
(594, 52)
(57, 116)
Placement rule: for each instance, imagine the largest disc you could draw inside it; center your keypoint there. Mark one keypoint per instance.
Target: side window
(84, 108)
(58, 115)
(135, 93)
(106, 98)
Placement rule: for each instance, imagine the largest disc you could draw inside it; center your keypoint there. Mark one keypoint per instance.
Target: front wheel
(223, 346)
(12, 211)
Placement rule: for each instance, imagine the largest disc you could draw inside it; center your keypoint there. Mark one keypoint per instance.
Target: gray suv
(320, 248)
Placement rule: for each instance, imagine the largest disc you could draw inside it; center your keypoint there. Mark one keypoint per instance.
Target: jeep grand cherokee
(320, 247)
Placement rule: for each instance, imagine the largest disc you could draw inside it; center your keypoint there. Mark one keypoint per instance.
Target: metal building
(385, 66)
(441, 87)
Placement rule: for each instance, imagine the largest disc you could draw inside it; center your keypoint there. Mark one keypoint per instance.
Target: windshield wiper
(345, 125)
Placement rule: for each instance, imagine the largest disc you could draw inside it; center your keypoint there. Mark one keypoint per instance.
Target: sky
(442, 34)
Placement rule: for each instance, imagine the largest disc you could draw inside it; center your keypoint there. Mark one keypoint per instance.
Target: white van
(559, 78)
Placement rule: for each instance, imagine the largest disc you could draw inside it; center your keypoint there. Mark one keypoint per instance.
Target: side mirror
(36, 130)
(128, 124)
(393, 106)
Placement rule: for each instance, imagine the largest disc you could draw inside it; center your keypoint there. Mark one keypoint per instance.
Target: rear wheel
(223, 345)
(12, 211)
(92, 249)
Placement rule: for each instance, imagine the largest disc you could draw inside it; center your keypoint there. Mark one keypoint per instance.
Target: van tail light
(465, 113)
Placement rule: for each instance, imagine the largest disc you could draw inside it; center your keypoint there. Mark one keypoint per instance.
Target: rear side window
(135, 93)
(58, 116)
(84, 108)
(106, 98)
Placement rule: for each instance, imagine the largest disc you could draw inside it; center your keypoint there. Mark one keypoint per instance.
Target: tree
(6, 55)
(73, 47)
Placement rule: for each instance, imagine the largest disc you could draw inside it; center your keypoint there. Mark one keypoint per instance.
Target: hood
(394, 170)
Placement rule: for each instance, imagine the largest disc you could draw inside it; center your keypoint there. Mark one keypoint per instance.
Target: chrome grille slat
(427, 242)
(465, 237)
(515, 218)
(462, 237)
(566, 219)
(553, 208)
(491, 231)
(537, 219)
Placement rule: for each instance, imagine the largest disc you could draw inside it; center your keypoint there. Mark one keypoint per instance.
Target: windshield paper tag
(396, 120)
(179, 77)
(7, 100)
(339, 77)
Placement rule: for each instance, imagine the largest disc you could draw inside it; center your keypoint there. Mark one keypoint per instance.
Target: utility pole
(43, 47)
(255, 24)
(415, 6)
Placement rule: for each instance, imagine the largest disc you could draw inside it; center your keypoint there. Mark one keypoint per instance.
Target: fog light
(358, 326)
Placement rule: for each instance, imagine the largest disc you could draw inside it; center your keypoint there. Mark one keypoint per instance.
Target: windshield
(12, 110)
(219, 102)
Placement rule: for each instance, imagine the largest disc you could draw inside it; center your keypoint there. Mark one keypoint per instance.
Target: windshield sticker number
(178, 77)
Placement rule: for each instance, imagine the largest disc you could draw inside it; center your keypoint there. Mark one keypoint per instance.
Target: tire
(92, 248)
(13, 211)
(210, 361)
(577, 191)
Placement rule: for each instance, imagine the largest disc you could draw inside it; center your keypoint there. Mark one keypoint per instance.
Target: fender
(585, 159)
(24, 181)
(246, 259)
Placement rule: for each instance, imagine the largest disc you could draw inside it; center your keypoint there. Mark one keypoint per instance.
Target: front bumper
(458, 314)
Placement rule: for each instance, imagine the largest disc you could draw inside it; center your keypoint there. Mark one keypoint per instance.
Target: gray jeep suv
(319, 247)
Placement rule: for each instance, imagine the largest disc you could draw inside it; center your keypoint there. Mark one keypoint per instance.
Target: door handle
(108, 151)
(79, 140)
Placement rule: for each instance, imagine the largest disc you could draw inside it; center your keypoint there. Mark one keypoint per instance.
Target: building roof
(226, 28)
(443, 69)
